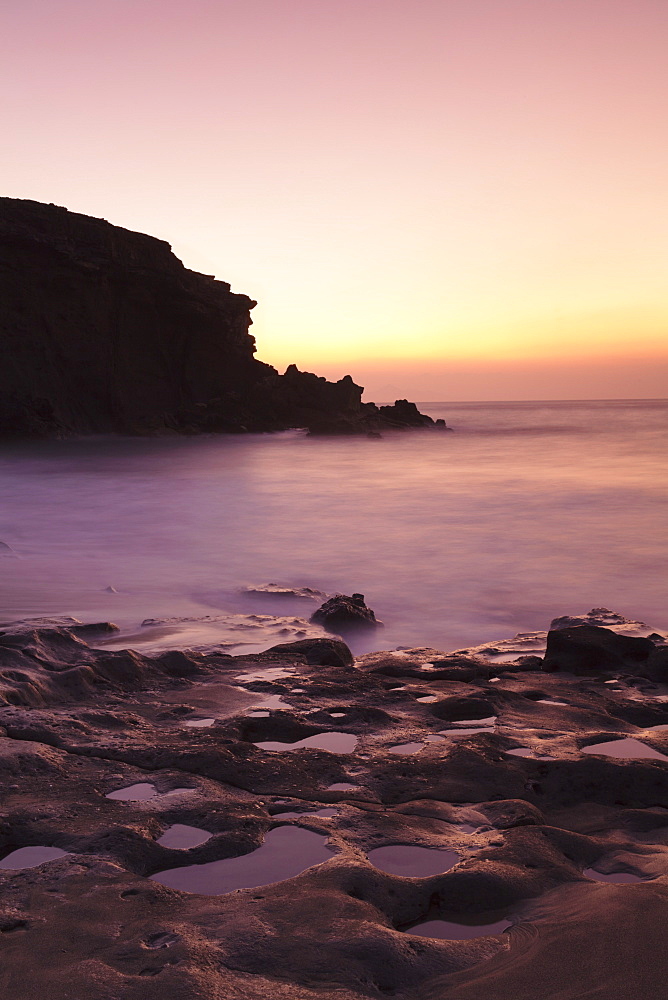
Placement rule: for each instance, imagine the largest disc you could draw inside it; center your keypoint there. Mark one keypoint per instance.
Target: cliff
(104, 330)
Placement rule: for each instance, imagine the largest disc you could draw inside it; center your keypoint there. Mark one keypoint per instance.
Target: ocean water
(525, 512)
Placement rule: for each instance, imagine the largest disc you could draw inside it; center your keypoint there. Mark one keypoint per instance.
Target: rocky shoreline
(416, 823)
(104, 331)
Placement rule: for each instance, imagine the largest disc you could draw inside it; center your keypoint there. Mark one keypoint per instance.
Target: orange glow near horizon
(398, 185)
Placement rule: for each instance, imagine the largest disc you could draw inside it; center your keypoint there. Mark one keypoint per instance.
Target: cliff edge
(103, 330)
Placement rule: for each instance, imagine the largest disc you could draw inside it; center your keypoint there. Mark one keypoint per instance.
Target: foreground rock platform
(103, 330)
(482, 754)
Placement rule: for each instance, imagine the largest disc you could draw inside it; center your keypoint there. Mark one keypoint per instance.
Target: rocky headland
(490, 822)
(103, 330)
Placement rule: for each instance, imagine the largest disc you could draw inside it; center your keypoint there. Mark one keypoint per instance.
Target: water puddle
(549, 701)
(457, 932)
(337, 715)
(134, 793)
(427, 699)
(629, 748)
(466, 732)
(406, 748)
(271, 701)
(197, 723)
(467, 827)
(287, 851)
(259, 715)
(265, 674)
(141, 791)
(341, 786)
(528, 752)
(618, 878)
(478, 723)
(303, 815)
(30, 857)
(411, 861)
(179, 837)
(333, 742)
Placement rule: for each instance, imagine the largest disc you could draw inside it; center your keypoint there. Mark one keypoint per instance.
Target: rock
(277, 590)
(532, 833)
(105, 331)
(405, 414)
(318, 652)
(591, 649)
(656, 668)
(597, 616)
(345, 613)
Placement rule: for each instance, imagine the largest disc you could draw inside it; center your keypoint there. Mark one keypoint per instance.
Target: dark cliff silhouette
(104, 330)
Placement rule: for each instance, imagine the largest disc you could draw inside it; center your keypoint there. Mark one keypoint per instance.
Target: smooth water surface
(333, 742)
(615, 878)
(30, 857)
(179, 836)
(628, 748)
(458, 932)
(526, 511)
(139, 792)
(412, 861)
(286, 851)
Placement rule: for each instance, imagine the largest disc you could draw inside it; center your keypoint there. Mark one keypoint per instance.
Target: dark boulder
(591, 649)
(318, 652)
(343, 613)
(656, 668)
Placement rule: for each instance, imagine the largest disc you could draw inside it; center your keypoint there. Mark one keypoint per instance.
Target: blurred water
(525, 512)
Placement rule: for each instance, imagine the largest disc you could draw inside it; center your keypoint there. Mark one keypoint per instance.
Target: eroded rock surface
(564, 847)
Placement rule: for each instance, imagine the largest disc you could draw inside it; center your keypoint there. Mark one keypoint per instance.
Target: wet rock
(319, 652)
(597, 616)
(524, 828)
(656, 668)
(343, 614)
(279, 591)
(591, 649)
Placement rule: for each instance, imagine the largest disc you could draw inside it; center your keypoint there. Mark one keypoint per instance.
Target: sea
(523, 512)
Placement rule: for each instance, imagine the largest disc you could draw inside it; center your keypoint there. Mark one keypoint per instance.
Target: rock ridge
(103, 330)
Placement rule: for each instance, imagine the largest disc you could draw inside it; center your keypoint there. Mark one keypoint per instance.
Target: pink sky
(463, 198)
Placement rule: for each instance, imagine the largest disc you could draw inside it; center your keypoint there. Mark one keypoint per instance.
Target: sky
(447, 199)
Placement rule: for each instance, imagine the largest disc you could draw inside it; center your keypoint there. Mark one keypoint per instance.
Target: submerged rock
(345, 613)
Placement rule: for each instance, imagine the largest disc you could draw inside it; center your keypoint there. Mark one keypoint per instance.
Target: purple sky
(465, 198)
